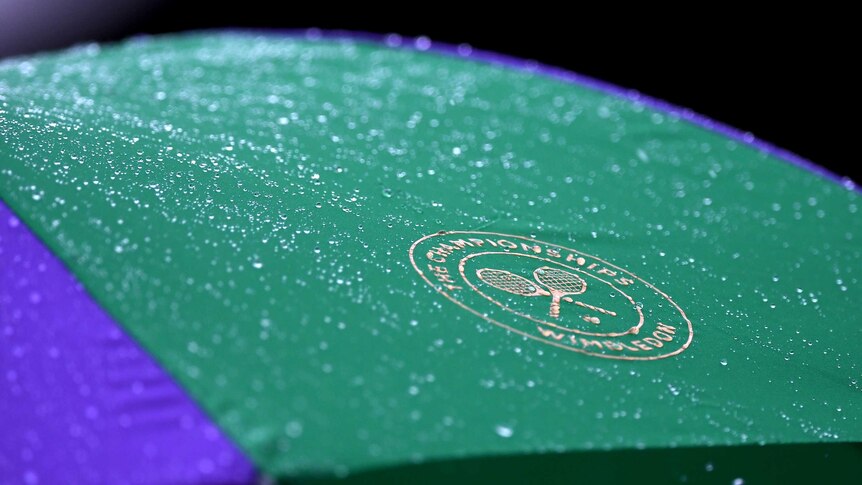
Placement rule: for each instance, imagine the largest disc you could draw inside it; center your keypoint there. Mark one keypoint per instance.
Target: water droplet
(293, 429)
(504, 431)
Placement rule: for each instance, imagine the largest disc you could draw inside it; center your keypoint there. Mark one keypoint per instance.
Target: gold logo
(554, 294)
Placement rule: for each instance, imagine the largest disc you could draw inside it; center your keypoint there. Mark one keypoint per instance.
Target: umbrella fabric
(81, 401)
(360, 258)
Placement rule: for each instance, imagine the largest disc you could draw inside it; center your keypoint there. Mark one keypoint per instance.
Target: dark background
(792, 82)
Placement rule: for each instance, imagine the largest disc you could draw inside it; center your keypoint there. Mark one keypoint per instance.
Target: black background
(790, 82)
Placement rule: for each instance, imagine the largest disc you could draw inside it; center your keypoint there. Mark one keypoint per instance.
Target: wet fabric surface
(246, 207)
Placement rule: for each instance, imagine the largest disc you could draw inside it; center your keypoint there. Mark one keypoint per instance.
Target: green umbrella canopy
(386, 262)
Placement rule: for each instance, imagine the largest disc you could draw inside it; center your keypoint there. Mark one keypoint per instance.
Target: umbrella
(239, 256)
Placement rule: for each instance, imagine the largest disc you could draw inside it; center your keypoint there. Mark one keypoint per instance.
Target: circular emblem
(557, 295)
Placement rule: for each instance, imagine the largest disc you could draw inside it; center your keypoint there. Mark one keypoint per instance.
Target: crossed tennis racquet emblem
(560, 285)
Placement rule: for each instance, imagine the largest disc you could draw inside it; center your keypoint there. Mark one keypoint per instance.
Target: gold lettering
(663, 327)
(443, 278)
(607, 272)
(577, 259)
(654, 342)
(640, 345)
(527, 248)
(550, 333)
(662, 335)
(438, 259)
(610, 344)
(587, 343)
(439, 252)
(460, 243)
(507, 244)
(629, 348)
(553, 253)
(624, 281)
(441, 273)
